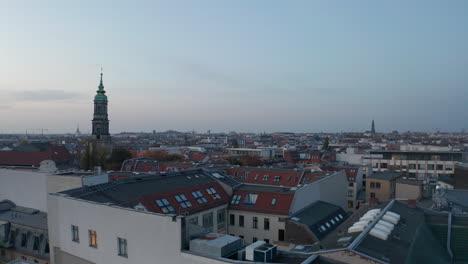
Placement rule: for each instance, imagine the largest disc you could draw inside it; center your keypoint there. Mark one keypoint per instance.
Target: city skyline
(240, 66)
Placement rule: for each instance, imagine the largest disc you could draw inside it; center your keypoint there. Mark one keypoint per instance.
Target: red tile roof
(264, 202)
(149, 201)
(351, 172)
(58, 154)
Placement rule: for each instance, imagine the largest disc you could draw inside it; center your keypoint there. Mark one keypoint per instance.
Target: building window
(47, 250)
(183, 201)
(250, 199)
(351, 184)
(236, 199)
(24, 240)
(241, 220)
(372, 195)
(36, 243)
(277, 179)
(256, 177)
(241, 237)
(165, 206)
(412, 166)
(254, 239)
(273, 201)
(208, 220)
(372, 184)
(281, 234)
(265, 177)
(199, 196)
(75, 234)
(232, 219)
(267, 241)
(377, 185)
(255, 222)
(383, 165)
(350, 204)
(350, 193)
(92, 238)
(266, 224)
(122, 246)
(288, 178)
(213, 193)
(193, 221)
(221, 218)
(440, 167)
(430, 166)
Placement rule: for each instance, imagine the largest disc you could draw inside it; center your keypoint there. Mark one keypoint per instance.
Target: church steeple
(373, 127)
(100, 117)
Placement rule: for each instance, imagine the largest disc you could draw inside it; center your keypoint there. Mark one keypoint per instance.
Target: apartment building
(261, 211)
(381, 186)
(356, 176)
(23, 234)
(136, 220)
(420, 165)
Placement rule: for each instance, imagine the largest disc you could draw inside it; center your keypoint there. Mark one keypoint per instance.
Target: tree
(118, 156)
(326, 143)
(234, 143)
(234, 161)
(252, 161)
(95, 155)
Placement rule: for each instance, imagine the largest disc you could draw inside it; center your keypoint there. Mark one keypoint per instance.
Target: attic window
(199, 196)
(288, 178)
(250, 199)
(211, 191)
(340, 216)
(265, 177)
(256, 177)
(183, 201)
(337, 219)
(273, 201)
(165, 206)
(236, 199)
(323, 228)
(277, 178)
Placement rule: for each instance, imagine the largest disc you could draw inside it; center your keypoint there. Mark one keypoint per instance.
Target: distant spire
(373, 127)
(78, 128)
(101, 86)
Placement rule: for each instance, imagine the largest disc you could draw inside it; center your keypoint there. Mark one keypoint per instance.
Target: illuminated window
(92, 238)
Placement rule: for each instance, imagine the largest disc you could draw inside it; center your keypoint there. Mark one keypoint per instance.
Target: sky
(245, 65)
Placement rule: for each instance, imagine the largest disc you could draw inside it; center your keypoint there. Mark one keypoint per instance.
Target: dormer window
(250, 199)
(273, 201)
(236, 199)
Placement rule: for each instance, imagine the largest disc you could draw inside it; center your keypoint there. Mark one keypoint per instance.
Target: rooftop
(385, 175)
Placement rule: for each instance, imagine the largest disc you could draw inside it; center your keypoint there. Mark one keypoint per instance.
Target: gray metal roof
(385, 175)
(130, 189)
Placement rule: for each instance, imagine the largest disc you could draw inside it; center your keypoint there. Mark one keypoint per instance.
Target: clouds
(46, 95)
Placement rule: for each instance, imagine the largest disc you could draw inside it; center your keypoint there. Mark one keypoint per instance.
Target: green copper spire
(101, 94)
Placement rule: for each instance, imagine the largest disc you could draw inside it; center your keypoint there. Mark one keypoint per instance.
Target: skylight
(199, 196)
(265, 177)
(277, 178)
(273, 201)
(165, 206)
(212, 191)
(256, 177)
(183, 201)
(236, 199)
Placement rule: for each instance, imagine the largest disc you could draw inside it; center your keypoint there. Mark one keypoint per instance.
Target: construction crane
(37, 129)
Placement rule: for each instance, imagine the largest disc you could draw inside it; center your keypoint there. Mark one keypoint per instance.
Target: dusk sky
(247, 65)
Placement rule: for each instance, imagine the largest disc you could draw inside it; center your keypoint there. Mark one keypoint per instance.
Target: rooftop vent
(379, 233)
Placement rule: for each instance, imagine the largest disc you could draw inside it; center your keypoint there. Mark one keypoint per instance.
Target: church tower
(100, 117)
(373, 127)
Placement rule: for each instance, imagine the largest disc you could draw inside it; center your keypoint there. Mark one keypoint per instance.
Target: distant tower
(100, 117)
(77, 133)
(373, 127)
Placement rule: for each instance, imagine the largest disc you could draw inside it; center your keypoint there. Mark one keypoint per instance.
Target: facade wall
(24, 188)
(407, 191)
(332, 189)
(248, 232)
(150, 237)
(385, 192)
(58, 183)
